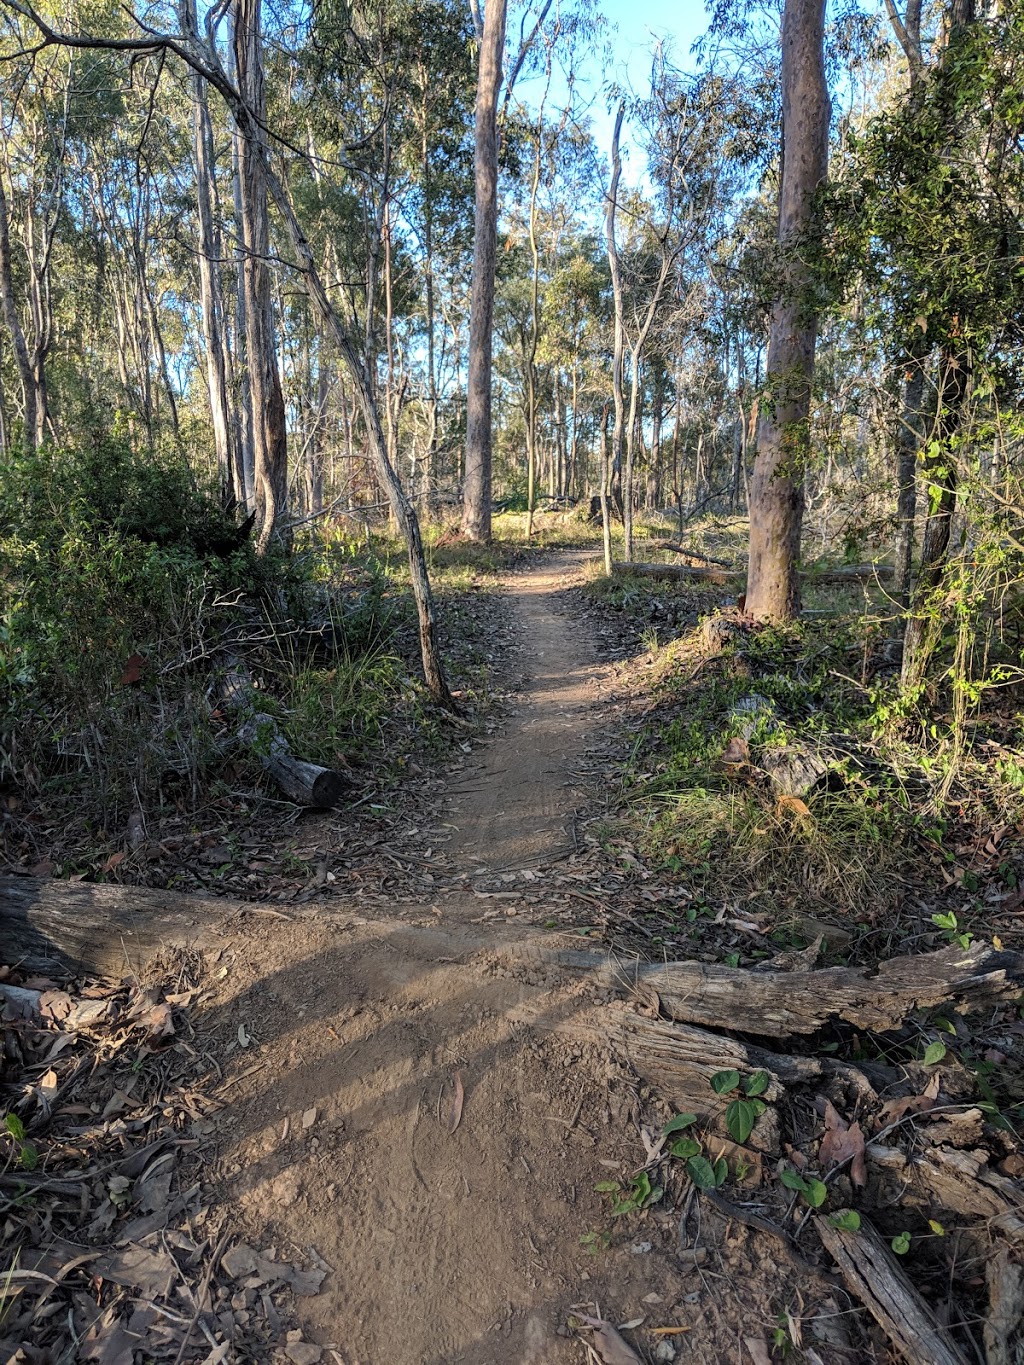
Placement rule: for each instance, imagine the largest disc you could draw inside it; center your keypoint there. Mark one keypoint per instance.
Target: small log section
(101, 930)
(872, 1275)
(307, 784)
(777, 1004)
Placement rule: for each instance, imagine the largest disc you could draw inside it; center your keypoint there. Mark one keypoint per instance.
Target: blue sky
(635, 27)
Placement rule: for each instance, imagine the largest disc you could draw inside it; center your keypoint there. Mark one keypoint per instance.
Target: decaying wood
(873, 1275)
(679, 1061)
(1004, 1325)
(948, 1180)
(680, 573)
(691, 554)
(110, 931)
(782, 1004)
(307, 784)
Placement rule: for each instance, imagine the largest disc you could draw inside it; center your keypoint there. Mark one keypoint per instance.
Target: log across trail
(437, 1106)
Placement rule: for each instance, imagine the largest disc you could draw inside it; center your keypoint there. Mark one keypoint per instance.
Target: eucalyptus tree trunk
(618, 343)
(531, 351)
(908, 440)
(476, 492)
(13, 321)
(270, 446)
(211, 285)
(776, 489)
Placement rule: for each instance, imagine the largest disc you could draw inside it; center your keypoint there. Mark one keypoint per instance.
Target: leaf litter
(110, 1246)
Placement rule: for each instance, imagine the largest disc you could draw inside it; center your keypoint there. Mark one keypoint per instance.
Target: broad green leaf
(724, 1081)
(847, 1221)
(28, 1157)
(934, 1052)
(793, 1181)
(721, 1172)
(606, 1186)
(756, 1084)
(680, 1122)
(901, 1243)
(936, 1227)
(701, 1172)
(740, 1117)
(15, 1127)
(816, 1192)
(685, 1147)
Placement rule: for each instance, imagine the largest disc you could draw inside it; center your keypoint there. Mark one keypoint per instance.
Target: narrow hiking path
(414, 1120)
(514, 805)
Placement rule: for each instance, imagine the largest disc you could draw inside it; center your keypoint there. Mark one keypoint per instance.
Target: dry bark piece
(1004, 1325)
(873, 1275)
(609, 1345)
(945, 1179)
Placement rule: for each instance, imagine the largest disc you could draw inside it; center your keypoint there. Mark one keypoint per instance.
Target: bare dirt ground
(405, 1115)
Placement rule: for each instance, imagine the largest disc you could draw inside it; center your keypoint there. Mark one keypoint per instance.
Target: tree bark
(618, 344)
(476, 513)
(30, 422)
(777, 1004)
(270, 445)
(908, 440)
(776, 490)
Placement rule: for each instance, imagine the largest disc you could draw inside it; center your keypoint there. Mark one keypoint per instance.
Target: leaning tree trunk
(476, 510)
(269, 431)
(776, 490)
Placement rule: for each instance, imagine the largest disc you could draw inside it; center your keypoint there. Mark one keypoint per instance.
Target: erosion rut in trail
(415, 1122)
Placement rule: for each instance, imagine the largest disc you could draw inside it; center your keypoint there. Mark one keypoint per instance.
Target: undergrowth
(894, 799)
(128, 594)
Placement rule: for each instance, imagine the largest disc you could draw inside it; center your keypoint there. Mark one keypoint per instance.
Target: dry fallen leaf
(843, 1142)
(894, 1110)
(609, 1345)
(455, 1109)
(758, 1349)
(795, 806)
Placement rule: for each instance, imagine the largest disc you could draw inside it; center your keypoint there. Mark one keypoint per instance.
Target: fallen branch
(690, 554)
(873, 1275)
(683, 573)
(780, 1004)
(947, 1179)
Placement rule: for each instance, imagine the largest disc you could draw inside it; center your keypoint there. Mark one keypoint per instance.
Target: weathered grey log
(1004, 1326)
(780, 1004)
(949, 1180)
(873, 1275)
(307, 784)
(680, 573)
(691, 554)
(102, 930)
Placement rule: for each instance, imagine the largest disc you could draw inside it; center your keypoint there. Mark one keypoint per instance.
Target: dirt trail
(513, 808)
(447, 1241)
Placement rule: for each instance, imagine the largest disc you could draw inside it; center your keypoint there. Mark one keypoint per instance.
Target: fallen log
(873, 1276)
(691, 554)
(101, 930)
(778, 1004)
(307, 784)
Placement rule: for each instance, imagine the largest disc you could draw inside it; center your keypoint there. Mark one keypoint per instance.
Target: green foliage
(25, 1153)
